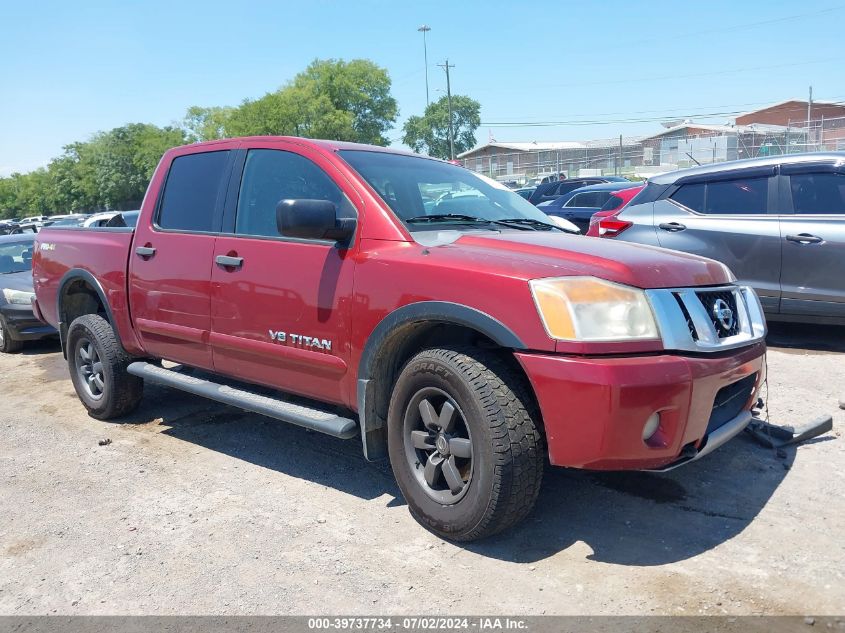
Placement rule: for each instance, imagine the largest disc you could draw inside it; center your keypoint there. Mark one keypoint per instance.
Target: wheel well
(78, 298)
(406, 341)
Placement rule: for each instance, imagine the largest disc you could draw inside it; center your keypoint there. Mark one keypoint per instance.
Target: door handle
(227, 261)
(672, 227)
(145, 251)
(804, 238)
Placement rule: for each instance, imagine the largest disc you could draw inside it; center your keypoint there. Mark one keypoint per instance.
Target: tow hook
(774, 436)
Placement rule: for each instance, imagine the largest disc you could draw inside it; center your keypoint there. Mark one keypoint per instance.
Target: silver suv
(778, 223)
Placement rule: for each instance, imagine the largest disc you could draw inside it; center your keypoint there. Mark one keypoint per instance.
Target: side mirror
(313, 220)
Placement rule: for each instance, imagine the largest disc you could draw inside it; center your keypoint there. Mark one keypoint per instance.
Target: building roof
(724, 129)
(542, 146)
(783, 103)
(524, 147)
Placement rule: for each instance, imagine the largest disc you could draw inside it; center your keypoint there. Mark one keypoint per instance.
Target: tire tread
(127, 389)
(513, 417)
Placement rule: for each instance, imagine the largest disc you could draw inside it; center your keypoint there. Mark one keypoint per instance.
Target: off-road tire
(503, 424)
(8, 345)
(121, 391)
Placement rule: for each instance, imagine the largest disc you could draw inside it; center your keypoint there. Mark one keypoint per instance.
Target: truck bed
(63, 254)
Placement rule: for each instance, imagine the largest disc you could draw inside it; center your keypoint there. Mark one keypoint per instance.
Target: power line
(680, 110)
(713, 73)
(735, 27)
(658, 119)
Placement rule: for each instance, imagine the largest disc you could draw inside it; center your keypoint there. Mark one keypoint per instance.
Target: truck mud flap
(301, 415)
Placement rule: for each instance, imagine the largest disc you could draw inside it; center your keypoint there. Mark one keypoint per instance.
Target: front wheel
(98, 365)
(464, 444)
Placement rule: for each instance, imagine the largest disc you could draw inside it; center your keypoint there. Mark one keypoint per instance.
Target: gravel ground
(197, 508)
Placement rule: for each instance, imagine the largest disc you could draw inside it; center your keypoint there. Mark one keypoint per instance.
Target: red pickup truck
(366, 292)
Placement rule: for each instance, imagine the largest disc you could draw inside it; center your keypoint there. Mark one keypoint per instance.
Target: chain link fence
(645, 157)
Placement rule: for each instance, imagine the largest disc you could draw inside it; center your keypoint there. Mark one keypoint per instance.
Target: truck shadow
(805, 338)
(42, 346)
(641, 518)
(629, 518)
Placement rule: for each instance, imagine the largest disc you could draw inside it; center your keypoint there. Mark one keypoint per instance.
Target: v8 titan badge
(300, 340)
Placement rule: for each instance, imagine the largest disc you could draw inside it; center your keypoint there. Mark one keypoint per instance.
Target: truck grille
(730, 401)
(721, 307)
(707, 319)
(690, 325)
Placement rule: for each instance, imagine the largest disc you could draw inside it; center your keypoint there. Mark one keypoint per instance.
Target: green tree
(430, 133)
(110, 171)
(206, 124)
(123, 161)
(334, 99)
(331, 99)
(72, 179)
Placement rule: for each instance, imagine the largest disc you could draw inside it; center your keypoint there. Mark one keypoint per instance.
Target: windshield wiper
(446, 217)
(538, 225)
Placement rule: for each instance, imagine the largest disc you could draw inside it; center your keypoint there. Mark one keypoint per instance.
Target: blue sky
(68, 71)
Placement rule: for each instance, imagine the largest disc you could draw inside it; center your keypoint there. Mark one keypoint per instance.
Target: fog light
(651, 426)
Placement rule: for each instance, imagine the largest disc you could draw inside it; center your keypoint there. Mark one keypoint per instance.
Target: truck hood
(543, 254)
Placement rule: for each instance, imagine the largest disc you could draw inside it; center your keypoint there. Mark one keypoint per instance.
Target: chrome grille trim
(675, 330)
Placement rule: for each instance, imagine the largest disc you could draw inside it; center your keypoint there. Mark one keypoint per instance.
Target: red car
(603, 223)
(433, 314)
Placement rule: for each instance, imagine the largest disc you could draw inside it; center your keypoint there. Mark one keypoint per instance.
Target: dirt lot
(197, 508)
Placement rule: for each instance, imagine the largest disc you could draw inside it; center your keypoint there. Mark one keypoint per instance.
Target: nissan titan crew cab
(437, 316)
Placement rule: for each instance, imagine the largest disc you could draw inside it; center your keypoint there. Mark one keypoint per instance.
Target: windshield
(418, 188)
(15, 257)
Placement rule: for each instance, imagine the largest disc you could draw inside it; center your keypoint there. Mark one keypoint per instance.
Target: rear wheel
(98, 365)
(464, 444)
(8, 345)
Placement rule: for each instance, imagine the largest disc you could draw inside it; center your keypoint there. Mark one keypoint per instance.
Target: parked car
(7, 227)
(27, 226)
(71, 219)
(778, 223)
(100, 219)
(550, 190)
(462, 345)
(579, 205)
(602, 223)
(34, 219)
(127, 218)
(17, 321)
(525, 192)
(76, 219)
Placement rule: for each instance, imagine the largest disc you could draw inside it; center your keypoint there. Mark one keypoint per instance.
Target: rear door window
(741, 196)
(194, 184)
(593, 199)
(818, 193)
(691, 196)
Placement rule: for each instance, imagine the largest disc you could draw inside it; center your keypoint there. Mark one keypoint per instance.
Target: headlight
(592, 309)
(18, 296)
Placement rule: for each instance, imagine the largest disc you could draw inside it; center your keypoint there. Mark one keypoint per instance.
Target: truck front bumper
(595, 409)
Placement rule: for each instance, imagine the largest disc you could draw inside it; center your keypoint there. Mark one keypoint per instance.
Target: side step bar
(310, 418)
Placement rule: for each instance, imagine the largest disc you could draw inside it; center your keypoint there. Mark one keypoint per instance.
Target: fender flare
(423, 311)
(76, 274)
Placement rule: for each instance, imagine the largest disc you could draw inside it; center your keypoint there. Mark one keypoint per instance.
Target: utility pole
(809, 117)
(788, 124)
(620, 156)
(425, 29)
(446, 67)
